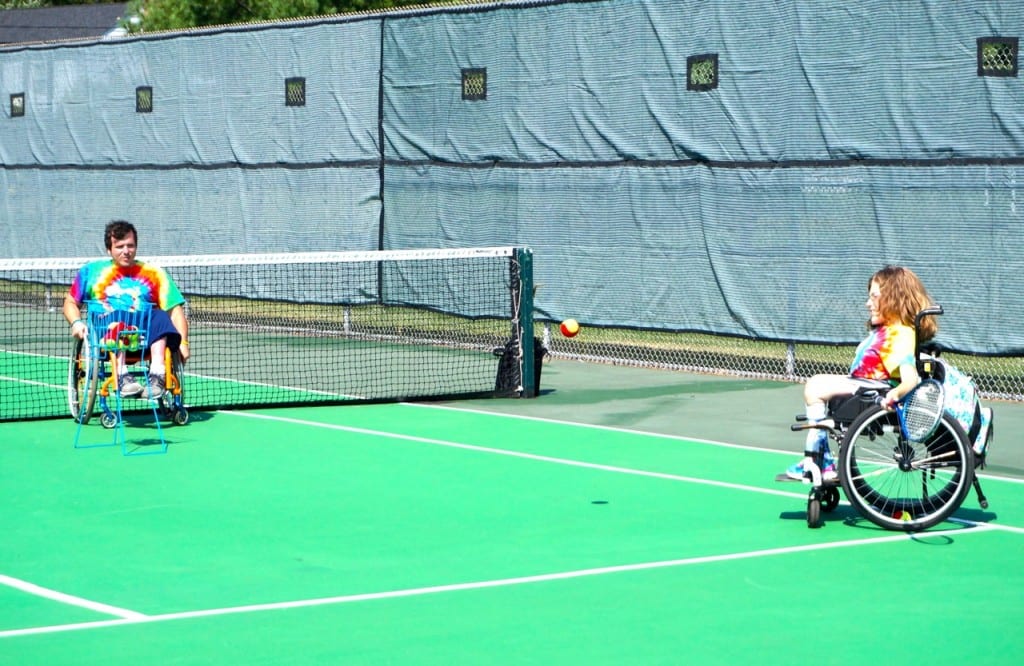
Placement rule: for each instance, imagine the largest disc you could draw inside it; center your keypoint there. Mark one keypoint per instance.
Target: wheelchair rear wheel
(83, 381)
(903, 485)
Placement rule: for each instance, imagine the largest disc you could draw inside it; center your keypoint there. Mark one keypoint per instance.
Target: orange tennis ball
(569, 328)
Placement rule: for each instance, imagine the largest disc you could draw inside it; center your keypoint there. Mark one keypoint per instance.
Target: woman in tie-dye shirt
(122, 278)
(895, 296)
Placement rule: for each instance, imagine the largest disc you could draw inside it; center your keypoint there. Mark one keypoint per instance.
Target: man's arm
(177, 315)
(73, 313)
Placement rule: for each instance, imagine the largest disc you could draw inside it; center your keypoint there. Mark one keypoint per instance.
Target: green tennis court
(624, 517)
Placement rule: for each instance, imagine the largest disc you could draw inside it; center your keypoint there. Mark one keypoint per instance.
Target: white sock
(816, 412)
(816, 439)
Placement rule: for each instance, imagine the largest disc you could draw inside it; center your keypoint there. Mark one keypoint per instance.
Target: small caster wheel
(831, 500)
(109, 421)
(181, 417)
(814, 513)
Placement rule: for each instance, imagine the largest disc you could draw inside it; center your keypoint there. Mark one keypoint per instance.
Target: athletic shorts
(160, 326)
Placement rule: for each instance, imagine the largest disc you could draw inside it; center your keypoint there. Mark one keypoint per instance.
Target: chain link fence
(999, 378)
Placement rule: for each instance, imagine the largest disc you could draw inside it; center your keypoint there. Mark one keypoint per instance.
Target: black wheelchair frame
(895, 483)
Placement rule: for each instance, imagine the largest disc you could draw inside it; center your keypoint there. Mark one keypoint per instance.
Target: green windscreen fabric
(730, 167)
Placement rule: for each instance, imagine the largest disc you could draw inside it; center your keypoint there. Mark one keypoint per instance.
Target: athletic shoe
(128, 386)
(828, 469)
(156, 385)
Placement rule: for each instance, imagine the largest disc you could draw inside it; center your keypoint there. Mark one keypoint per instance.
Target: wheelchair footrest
(825, 483)
(824, 424)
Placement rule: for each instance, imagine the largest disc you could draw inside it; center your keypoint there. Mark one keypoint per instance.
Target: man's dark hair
(117, 230)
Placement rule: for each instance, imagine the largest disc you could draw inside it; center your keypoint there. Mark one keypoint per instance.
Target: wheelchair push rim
(903, 485)
(83, 379)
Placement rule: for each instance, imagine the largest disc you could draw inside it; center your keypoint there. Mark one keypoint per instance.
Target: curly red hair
(902, 296)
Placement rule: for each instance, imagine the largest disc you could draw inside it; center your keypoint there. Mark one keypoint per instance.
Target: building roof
(48, 24)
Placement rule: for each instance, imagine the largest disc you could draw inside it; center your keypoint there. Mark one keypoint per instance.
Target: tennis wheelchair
(119, 335)
(900, 471)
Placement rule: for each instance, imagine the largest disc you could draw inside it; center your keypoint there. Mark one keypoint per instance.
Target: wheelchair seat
(844, 409)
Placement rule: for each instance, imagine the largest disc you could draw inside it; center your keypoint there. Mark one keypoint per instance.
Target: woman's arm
(908, 380)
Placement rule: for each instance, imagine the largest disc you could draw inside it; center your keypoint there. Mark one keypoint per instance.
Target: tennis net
(305, 328)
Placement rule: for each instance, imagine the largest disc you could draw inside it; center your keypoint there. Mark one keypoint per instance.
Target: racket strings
(922, 411)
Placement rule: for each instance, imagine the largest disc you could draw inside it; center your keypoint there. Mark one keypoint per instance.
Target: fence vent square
(144, 99)
(474, 83)
(17, 105)
(702, 72)
(997, 56)
(295, 91)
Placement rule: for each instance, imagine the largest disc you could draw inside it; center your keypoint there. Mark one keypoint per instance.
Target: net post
(524, 284)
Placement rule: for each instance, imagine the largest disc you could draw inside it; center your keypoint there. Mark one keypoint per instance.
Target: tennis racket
(920, 411)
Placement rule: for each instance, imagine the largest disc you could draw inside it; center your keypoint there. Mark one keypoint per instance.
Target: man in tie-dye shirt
(884, 359)
(123, 279)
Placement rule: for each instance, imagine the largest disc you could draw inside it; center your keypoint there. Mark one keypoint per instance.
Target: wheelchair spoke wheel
(83, 380)
(903, 485)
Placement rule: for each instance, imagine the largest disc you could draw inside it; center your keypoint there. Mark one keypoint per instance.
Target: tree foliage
(22, 4)
(179, 14)
(34, 4)
(154, 15)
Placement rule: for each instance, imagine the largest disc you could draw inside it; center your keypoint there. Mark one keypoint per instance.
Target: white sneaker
(156, 385)
(128, 387)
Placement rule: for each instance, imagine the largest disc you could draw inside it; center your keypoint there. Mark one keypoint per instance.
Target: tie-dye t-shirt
(104, 280)
(881, 354)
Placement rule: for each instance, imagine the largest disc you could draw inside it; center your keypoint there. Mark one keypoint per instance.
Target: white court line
(31, 382)
(53, 595)
(64, 387)
(458, 587)
(510, 416)
(129, 617)
(37, 354)
(644, 433)
(515, 454)
(594, 426)
(579, 463)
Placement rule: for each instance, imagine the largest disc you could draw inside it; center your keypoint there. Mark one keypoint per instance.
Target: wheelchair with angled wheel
(115, 337)
(895, 480)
